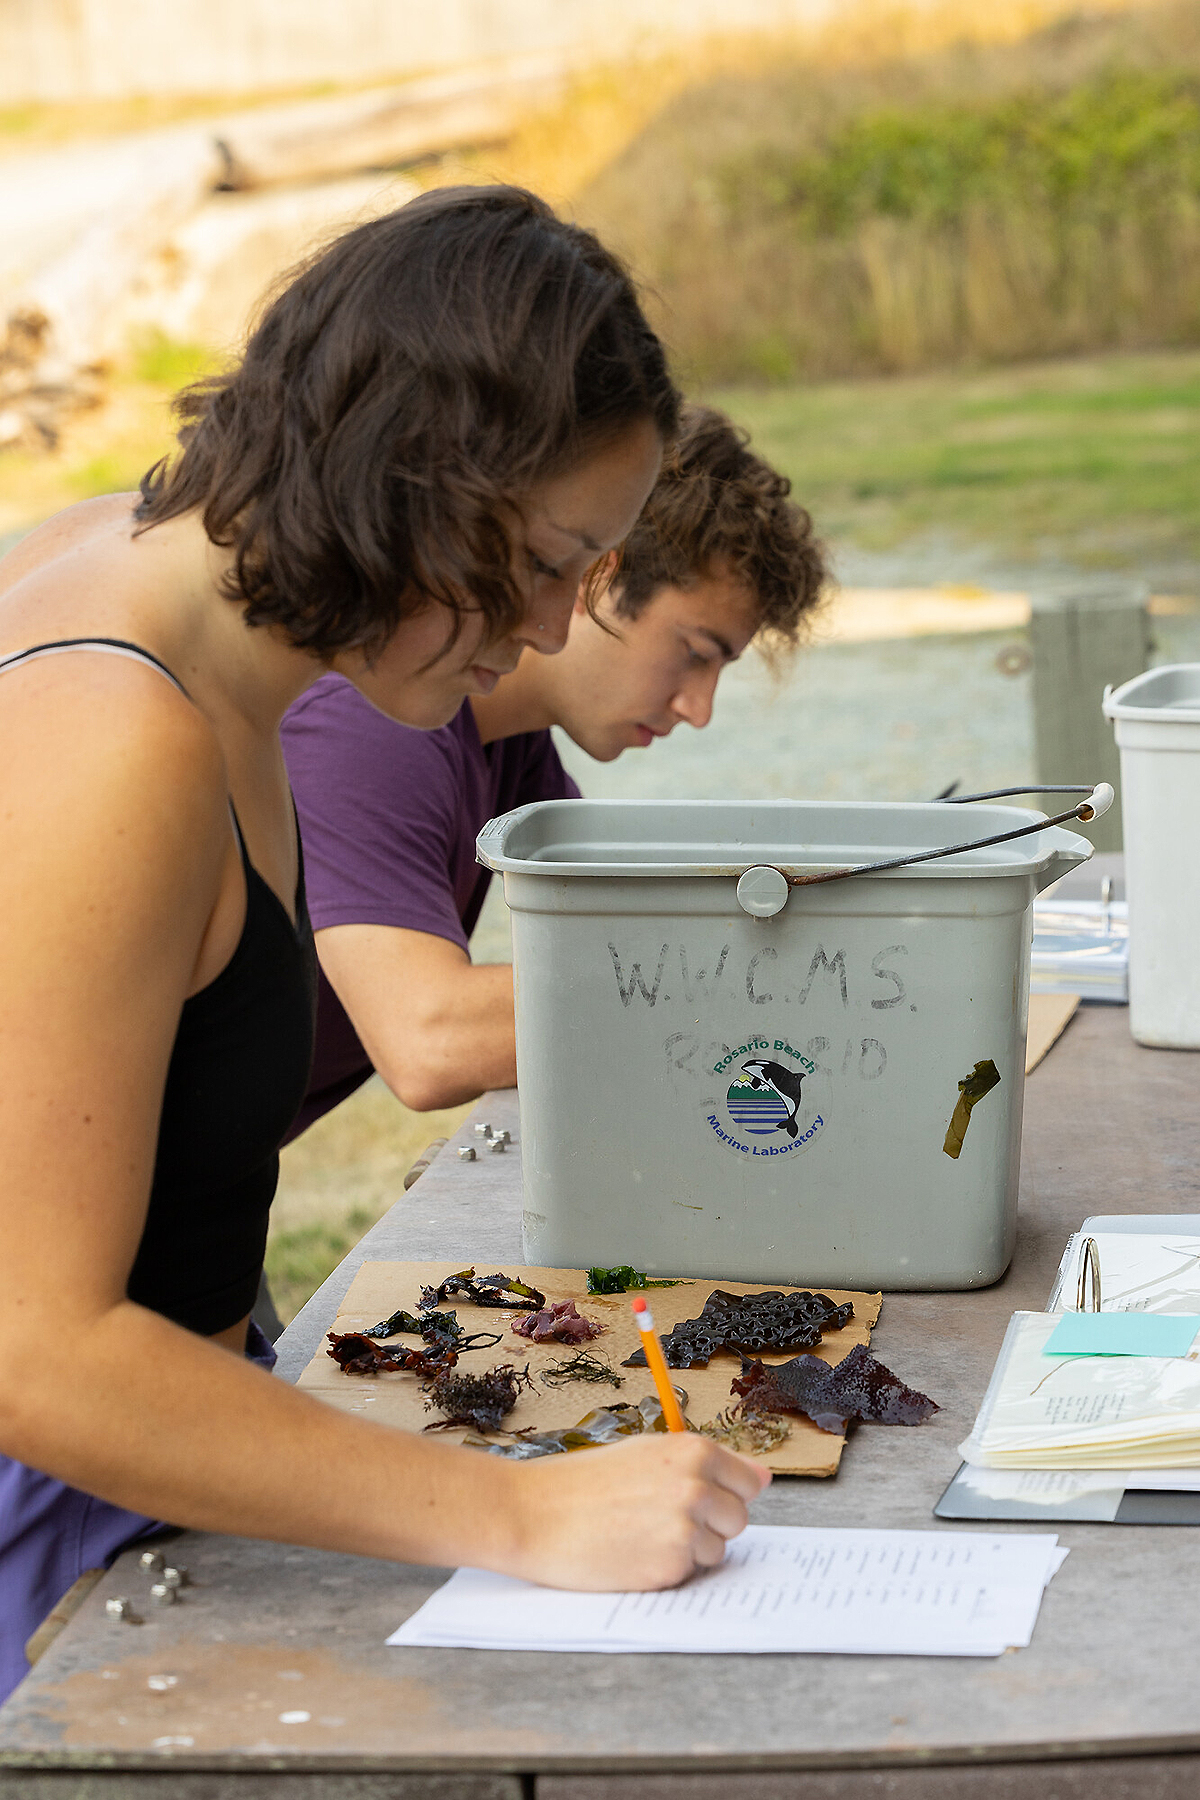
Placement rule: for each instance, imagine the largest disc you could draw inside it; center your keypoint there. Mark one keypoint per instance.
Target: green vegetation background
(987, 202)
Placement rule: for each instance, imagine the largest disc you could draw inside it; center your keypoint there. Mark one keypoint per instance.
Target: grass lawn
(336, 1180)
(1094, 461)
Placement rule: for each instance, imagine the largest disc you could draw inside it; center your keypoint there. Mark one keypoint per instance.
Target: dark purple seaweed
(477, 1400)
(859, 1387)
(742, 1322)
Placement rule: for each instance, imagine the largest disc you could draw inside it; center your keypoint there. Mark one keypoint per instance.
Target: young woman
(435, 431)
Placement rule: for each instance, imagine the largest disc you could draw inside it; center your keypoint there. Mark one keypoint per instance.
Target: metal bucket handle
(762, 891)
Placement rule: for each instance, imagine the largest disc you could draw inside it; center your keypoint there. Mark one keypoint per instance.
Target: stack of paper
(1081, 947)
(1085, 1411)
(1140, 1271)
(780, 1588)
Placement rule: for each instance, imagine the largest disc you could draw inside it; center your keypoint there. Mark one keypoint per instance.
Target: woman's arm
(113, 836)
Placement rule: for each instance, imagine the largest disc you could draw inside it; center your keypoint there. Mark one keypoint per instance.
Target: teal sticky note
(1123, 1334)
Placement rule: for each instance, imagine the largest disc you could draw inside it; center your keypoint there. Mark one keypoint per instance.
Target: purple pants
(50, 1534)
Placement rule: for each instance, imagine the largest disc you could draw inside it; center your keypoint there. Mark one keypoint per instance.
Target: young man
(389, 815)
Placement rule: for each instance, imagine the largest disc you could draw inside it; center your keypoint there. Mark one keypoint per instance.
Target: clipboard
(1107, 1496)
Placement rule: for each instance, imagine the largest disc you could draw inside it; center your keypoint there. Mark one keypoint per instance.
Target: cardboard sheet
(397, 1399)
(1049, 1016)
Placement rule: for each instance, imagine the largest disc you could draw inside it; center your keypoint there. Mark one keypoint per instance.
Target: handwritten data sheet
(780, 1588)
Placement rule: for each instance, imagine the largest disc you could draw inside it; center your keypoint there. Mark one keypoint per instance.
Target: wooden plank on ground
(1049, 1016)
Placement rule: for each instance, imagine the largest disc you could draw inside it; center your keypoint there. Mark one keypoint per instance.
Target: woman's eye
(543, 568)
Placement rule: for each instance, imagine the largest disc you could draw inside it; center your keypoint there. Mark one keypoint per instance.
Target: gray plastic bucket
(704, 1092)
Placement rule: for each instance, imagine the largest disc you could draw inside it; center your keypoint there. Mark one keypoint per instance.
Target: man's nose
(693, 702)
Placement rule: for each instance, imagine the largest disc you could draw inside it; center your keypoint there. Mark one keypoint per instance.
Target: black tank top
(238, 1071)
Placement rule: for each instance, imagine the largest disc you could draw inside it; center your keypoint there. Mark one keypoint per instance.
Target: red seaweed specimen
(355, 1354)
(558, 1323)
(477, 1400)
(859, 1387)
(771, 1321)
(484, 1290)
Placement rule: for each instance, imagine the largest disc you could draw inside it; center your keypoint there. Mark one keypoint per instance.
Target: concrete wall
(100, 49)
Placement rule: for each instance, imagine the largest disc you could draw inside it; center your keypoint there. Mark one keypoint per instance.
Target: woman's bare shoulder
(91, 742)
(68, 530)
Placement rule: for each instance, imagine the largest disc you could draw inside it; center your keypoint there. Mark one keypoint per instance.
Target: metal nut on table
(176, 1578)
(502, 1137)
(483, 1129)
(151, 1561)
(122, 1608)
(164, 1595)
(496, 1145)
(466, 1153)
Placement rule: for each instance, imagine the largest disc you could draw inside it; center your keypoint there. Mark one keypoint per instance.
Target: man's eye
(543, 568)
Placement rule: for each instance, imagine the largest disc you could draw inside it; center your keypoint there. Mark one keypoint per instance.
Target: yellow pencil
(658, 1365)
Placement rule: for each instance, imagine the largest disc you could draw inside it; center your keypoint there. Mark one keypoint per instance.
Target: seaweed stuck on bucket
(982, 1079)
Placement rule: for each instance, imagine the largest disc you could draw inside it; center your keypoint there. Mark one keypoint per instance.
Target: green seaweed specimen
(621, 1279)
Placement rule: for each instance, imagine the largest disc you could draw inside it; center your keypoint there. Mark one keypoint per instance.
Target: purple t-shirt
(389, 817)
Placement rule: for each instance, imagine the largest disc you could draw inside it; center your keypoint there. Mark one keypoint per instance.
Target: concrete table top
(1105, 1701)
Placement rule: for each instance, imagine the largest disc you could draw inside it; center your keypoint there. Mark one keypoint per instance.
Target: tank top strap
(106, 646)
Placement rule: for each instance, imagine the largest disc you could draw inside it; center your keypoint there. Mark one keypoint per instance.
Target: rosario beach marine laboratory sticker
(765, 1103)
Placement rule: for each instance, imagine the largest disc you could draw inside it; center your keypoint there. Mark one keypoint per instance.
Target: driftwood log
(65, 302)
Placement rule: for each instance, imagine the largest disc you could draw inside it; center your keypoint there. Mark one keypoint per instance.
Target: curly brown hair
(397, 399)
(719, 507)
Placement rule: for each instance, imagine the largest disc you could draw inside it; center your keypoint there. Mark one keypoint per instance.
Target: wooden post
(1084, 634)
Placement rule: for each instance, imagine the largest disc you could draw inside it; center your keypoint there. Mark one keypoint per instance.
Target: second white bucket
(1157, 722)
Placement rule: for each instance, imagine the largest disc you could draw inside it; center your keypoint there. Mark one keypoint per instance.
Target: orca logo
(766, 1102)
(765, 1098)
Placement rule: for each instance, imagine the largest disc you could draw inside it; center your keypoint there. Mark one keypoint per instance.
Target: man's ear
(598, 580)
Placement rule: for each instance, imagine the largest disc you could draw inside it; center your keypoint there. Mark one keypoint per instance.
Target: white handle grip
(1097, 802)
